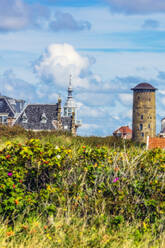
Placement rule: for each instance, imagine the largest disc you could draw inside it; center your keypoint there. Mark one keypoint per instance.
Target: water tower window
(141, 117)
(141, 126)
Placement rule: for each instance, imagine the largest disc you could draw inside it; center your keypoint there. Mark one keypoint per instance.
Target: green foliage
(124, 185)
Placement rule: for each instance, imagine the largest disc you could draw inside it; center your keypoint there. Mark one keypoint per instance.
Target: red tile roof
(123, 130)
(156, 142)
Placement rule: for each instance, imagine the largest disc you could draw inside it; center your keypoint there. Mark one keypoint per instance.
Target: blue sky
(108, 46)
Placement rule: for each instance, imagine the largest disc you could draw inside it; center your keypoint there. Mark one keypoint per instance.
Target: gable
(123, 130)
(5, 107)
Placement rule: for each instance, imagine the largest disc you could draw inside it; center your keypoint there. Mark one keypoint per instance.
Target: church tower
(144, 112)
(70, 109)
(70, 105)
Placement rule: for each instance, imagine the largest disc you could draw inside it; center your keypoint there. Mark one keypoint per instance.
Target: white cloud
(61, 60)
(163, 101)
(126, 98)
(12, 86)
(16, 15)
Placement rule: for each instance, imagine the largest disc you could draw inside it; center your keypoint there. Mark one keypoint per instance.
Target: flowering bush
(117, 185)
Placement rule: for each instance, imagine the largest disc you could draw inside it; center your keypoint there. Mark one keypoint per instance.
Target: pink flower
(10, 174)
(115, 180)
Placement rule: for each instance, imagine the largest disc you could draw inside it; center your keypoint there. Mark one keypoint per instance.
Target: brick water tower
(144, 112)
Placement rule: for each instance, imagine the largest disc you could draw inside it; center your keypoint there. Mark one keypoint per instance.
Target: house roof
(34, 114)
(13, 104)
(156, 142)
(144, 86)
(123, 130)
(5, 106)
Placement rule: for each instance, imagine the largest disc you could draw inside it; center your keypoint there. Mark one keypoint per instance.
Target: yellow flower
(48, 236)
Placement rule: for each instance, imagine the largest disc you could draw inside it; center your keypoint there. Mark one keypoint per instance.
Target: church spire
(70, 90)
(70, 105)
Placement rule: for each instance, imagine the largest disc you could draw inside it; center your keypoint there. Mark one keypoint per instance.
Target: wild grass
(17, 133)
(72, 232)
(101, 193)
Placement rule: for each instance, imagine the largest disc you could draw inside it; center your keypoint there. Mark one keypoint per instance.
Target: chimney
(59, 113)
(73, 127)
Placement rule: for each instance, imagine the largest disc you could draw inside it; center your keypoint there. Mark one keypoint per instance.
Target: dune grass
(72, 232)
(101, 193)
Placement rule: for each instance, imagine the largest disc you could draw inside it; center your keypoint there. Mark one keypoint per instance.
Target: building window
(3, 119)
(142, 134)
(24, 118)
(141, 117)
(65, 112)
(138, 97)
(141, 127)
(69, 111)
(119, 134)
(43, 118)
(149, 125)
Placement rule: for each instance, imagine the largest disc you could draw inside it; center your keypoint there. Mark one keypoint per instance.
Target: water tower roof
(144, 86)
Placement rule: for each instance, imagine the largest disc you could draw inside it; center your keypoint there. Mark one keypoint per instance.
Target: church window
(141, 126)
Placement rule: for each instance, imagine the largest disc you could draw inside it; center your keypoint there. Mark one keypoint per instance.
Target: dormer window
(43, 118)
(24, 118)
